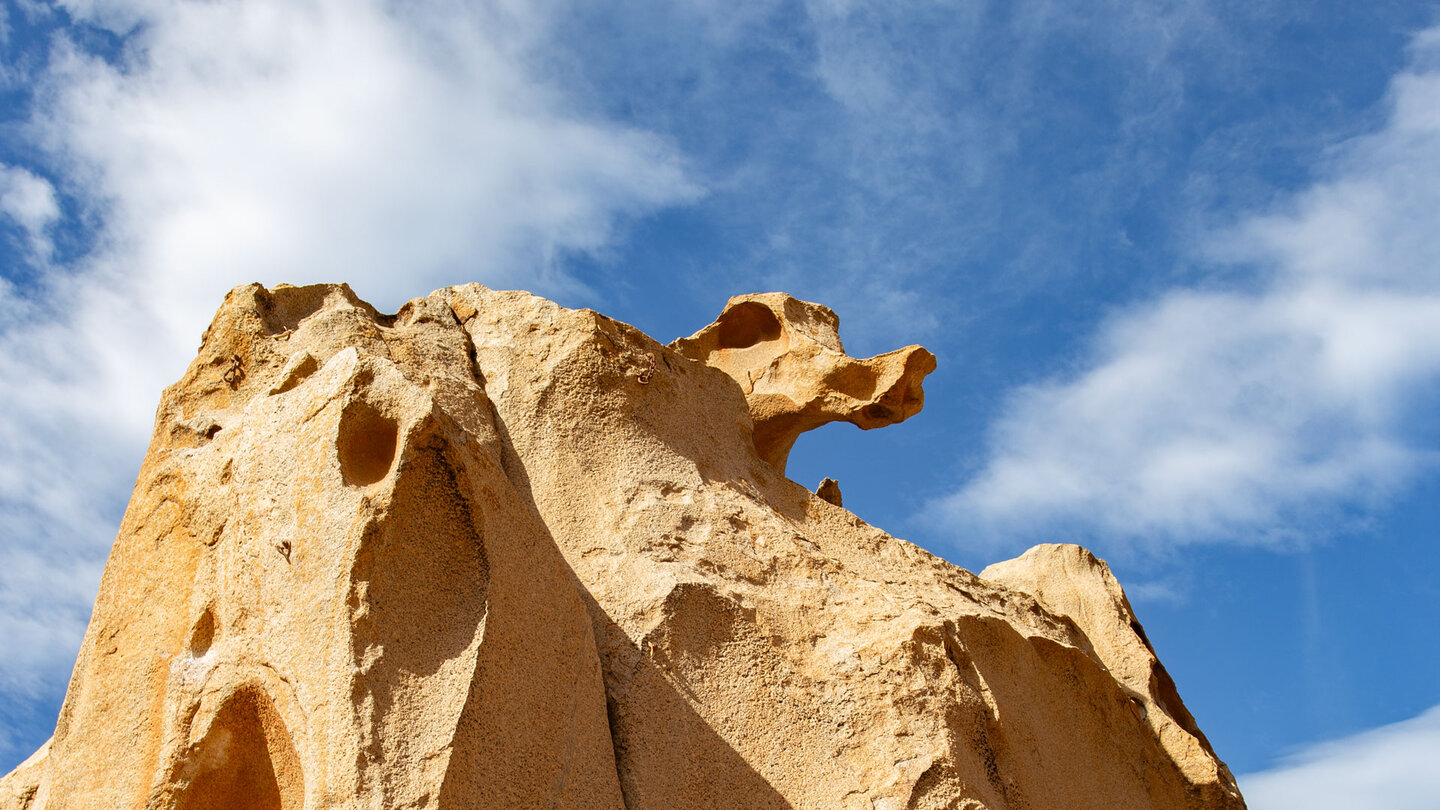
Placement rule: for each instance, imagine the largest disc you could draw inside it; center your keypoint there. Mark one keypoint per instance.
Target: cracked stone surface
(489, 552)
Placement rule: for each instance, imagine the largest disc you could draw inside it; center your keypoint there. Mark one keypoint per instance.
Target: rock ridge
(490, 552)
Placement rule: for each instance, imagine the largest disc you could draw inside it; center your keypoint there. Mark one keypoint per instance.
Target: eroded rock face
(787, 356)
(1070, 581)
(326, 593)
(494, 553)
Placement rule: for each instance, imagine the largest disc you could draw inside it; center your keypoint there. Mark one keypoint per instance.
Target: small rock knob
(829, 491)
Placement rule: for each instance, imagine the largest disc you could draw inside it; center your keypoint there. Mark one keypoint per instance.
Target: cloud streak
(1247, 411)
(29, 201)
(1388, 768)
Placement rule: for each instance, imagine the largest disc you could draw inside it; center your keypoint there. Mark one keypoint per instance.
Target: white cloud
(399, 147)
(1246, 412)
(1388, 768)
(30, 202)
(936, 128)
(320, 138)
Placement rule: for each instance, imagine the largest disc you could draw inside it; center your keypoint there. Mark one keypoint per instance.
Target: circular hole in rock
(367, 444)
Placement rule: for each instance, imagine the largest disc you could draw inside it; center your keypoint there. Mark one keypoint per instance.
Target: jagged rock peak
(489, 552)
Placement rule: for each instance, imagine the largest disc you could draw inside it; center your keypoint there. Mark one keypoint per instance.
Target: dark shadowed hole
(876, 412)
(203, 635)
(246, 761)
(366, 445)
(298, 372)
(744, 325)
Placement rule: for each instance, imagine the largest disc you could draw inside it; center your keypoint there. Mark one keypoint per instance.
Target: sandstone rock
(490, 552)
(829, 492)
(787, 356)
(1070, 581)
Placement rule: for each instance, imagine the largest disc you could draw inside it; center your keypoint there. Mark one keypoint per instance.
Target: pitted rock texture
(787, 356)
(490, 552)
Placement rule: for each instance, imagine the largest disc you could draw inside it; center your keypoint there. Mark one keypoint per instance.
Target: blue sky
(1180, 263)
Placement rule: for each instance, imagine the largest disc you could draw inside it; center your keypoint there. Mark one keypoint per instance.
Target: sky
(1179, 261)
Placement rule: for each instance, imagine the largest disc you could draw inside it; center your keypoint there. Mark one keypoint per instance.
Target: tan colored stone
(1070, 581)
(787, 356)
(326, 593)
(535, 559)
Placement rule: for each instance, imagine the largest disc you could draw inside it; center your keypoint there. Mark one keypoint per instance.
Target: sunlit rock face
(787, 356)
(490, 552)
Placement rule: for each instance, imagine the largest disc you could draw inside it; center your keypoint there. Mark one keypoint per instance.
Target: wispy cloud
(29, 201)
(396, 147)
(1388, 768)
(1248, 411)
(957, 123)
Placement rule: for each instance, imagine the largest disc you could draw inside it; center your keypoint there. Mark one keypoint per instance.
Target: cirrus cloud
(1248, 411)
(1387, 768)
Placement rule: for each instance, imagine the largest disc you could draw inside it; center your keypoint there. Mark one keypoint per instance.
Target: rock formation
(787, 356)
(490, 552)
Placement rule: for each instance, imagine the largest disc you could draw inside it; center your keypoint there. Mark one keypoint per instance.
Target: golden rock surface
(490, 552)
(787, 356)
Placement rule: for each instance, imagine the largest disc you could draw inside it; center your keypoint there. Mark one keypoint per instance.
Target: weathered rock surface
(1070, 581)
(787, 356)
(490, 552)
